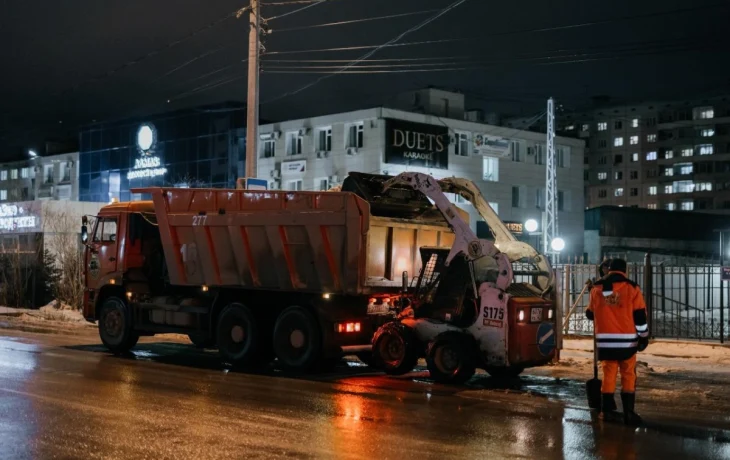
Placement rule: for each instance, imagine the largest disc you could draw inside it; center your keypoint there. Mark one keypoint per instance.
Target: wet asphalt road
(64, 397)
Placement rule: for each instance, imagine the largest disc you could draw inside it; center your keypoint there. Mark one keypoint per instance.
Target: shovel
(593, 386)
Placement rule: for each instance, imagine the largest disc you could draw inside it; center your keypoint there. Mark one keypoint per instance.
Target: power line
(355, 21)
(319, 2)
(370, 53)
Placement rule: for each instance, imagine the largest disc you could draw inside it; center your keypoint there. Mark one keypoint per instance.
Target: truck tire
(510, 372)
(450, 358)
(115, 326)
(200, 342)
(239, 337)
(394, 349)
(297, 340)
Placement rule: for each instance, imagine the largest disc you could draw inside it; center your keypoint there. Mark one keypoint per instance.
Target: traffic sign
(546, 338)
(253, 183)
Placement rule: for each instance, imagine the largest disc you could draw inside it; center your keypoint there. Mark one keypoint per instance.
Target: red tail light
(348, 327)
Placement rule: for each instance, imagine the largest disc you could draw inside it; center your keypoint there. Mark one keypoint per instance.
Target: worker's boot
(608, 407)
(630, 417)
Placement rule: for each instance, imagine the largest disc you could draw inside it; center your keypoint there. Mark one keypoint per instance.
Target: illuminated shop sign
(147, 165)
(14, 217)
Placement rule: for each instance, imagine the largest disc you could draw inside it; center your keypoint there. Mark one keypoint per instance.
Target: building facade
(52, 177)
(508, 165)
(671, 155)
(194, 147)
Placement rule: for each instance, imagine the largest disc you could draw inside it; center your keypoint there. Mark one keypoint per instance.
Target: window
(3, 195)
(494, 206)
(634, 140)
(704, 113)
(325, 140)
(63, 192)
(668, 189)
(462, 145)
(651, 206)
(634, 192)
(618, 159)
(602, 160)
(687, 152)
(293, 143)
(585, 127)
(618, 175)
(618, 124)
(3, 175)
(491, 169)
(668, 154)
(706, 149)
(65, 172)
(570, 127)
(106, 230)
(47, 174)
(652, 172)
(704, 187)
(688, 205)
(650, 156)
(516, 154)
(294, 185)
(634, 157)
(540, 198)
(707, 132)
(634, 175)
(563, 156)
(602, 176)
(651, 121)
(683, 186)
(685, 168)
(618, 192)
(539, 154)
(618, 141)
(652, 190)
(25, 173)
(635, 123)
(651, 138)
(670, 206)
(602, 143)
(13, 173)
(668, 171)
(517, 197)
(602, 193)
(563, 200)
(268, 149)
(356, 136)
(602, 126)
(322, 184)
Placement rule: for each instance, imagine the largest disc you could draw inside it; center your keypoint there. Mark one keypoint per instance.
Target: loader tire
(238, 336)
(298, 340)
(450, 358)
(115, 326)
(395, 349)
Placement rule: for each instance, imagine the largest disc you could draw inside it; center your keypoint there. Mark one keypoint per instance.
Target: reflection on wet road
(59, 399)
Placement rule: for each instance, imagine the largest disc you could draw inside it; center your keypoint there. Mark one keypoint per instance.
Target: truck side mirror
(404, 282)
(84, 234)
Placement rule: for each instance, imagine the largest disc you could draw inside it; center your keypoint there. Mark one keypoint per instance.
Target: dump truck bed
(287, 241)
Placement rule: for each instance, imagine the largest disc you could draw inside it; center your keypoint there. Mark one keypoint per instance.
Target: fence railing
(684, 301)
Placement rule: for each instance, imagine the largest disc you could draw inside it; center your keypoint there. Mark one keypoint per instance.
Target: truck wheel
(394, 349)
(450, 358)
(297, 339)
(510, 372)
(201, 342)
(115, 326)
(238, 336)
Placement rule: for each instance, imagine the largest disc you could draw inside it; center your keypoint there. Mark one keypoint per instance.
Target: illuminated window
(633, 140)
(652, 190)
(3, 195)
(684, 186)
(618, 192)
(668, 171)
(668, 154)
(687, 152)
(651, 138)
(704, 187)
(706, 149)
(618, 141)
(634, 157)
(670, 207)
(3, 175)
(602, 176)
(704, 113)
(668, 189)
(618, 175)
(25, 173)
(635, 123)
(651, 156)
(688, 205)
(585, 127)
(651, 206)
(708, 132)
(685, 168)
(13, 173)
(491, 169)
(602, 126)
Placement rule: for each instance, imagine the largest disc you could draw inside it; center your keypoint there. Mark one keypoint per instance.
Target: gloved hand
(643, 343)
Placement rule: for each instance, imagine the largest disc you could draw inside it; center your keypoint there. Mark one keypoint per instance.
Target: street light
(531, 225)
(558, 244)
(32, 154)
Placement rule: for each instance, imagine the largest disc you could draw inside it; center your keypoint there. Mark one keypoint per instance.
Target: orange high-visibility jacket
(618, 312)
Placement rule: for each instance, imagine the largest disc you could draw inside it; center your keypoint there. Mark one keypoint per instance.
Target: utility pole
(551, 183)
(252, 119)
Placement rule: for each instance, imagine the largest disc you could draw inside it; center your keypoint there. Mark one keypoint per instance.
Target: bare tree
(62, 241)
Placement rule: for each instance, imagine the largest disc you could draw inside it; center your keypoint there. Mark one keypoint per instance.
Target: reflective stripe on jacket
(619, 316)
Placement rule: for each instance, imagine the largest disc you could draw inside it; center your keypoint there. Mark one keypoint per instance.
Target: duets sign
(416, 144)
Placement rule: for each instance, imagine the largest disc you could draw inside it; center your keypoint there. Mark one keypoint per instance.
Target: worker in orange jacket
(618, 311)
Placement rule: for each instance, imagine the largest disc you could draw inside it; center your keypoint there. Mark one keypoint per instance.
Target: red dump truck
(259, 274)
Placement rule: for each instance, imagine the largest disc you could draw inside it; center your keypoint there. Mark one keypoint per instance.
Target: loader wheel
(450, 358)
(297, 340)
(394, 349)
(239, 337)
(510, 372)
(115, 326)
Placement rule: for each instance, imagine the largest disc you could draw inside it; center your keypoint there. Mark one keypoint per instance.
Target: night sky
(65, 64)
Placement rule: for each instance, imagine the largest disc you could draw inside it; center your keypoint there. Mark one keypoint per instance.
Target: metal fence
(684, 301)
